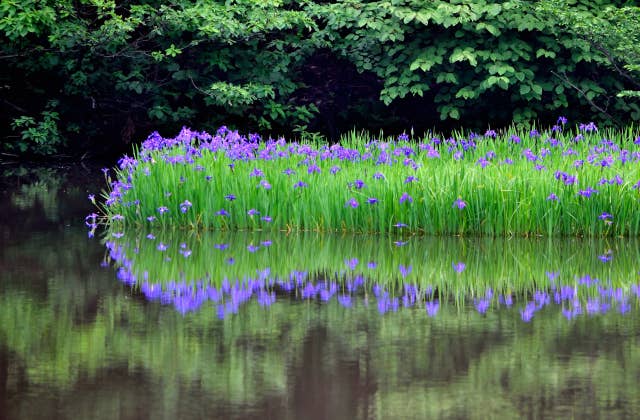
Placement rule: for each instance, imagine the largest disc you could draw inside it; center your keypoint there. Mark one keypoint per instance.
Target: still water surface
(177, 325)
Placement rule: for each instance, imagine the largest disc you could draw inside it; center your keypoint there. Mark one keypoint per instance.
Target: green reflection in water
(67, 326)
(516, 266)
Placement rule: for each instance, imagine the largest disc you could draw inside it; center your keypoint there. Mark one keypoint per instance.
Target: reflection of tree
(76, 342)
(45, 198)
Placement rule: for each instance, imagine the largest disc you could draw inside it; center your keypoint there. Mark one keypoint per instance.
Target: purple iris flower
(410, 179)
(352, 202)
(253, 212)
(230, 197)
(265, 184)
(256, 173)
(588, 192)
(222, 212)
(299, 184)
(313, 168)
(185, 206)
(406, 197)
(552, 197)
(372, 200)
(460, 204)
(162, 209)
(605, 216)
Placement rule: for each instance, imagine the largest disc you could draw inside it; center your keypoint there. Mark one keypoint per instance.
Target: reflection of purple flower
(344, 300)
(482, 305)
(432, 307)
(458, 267)
(506, 300)
(352, 263)
(527, 313)
(405, 271)
(606, 257)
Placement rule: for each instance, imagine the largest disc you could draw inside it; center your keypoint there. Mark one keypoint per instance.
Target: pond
(177, 324)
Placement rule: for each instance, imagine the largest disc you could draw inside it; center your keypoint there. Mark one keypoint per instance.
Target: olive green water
(78, 340)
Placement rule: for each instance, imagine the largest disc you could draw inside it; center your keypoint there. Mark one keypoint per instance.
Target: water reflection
(193, 272)
(76, 342)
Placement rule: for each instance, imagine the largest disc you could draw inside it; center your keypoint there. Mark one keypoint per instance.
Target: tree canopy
(95, 74)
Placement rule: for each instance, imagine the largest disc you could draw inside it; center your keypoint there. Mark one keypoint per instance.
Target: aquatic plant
(555, 182)
(229, 271)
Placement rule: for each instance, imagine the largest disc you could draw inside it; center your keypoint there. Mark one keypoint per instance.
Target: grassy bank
(559, 182)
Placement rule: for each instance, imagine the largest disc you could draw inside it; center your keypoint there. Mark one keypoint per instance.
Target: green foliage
(612, 31)
(40, 137)
(122, 69)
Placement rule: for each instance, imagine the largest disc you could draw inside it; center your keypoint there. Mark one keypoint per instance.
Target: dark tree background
(90, 77)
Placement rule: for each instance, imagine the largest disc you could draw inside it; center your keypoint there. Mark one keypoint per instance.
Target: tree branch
(566, 80)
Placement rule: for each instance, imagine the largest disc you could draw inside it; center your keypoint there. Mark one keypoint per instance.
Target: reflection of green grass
(457, 362)
(506, 266)
(501, 199)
